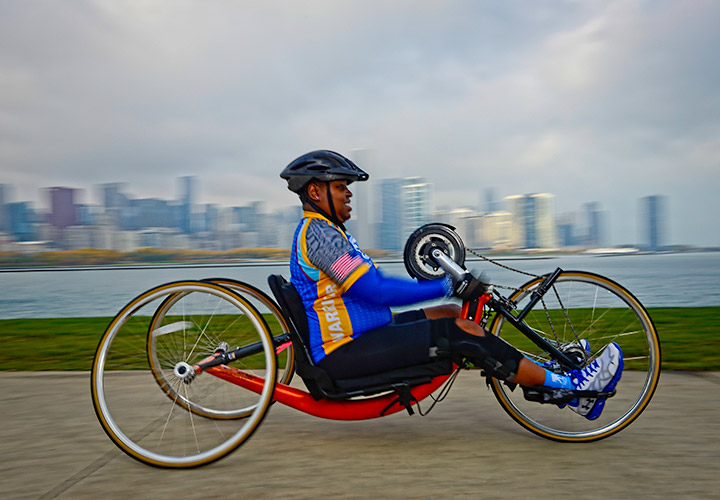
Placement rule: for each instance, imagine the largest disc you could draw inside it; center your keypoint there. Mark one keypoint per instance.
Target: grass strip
(688, 337)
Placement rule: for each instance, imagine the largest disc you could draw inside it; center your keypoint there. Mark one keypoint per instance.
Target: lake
(657, 280)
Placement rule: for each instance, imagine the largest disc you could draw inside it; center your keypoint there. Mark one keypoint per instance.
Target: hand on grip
(468, 287)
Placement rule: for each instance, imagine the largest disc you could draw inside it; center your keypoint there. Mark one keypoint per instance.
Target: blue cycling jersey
(325, 261)
(343, 293)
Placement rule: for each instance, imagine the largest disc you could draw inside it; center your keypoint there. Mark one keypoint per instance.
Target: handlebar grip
(449, 265)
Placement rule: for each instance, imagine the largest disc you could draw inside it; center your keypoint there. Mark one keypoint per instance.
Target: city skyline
(396, 208)
(607, 101)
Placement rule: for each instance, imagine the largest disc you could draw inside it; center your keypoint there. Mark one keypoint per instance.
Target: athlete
(347, 300)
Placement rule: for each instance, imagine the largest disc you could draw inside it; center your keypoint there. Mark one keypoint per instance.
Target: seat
(317, 380)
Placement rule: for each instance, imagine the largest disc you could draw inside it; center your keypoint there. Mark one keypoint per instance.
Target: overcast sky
(605, 101)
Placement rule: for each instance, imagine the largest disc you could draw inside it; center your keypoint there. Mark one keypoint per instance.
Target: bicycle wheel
(160, 430)
(584, 306)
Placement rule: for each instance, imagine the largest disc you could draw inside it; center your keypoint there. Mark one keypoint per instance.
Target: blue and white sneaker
(555, 367)
(601, 375)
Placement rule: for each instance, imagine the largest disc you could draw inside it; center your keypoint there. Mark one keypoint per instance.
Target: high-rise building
(62, 207)
(188, 186)
(417, 206)
(546, 234)
(566, 229)
(360, 224)
(405, 204)
(653, 222)
(533, 221)
(594, 219)
(212, 214)
(151, 213)
(490, 203)
(4, 200)
(21, 220)
(116, 205)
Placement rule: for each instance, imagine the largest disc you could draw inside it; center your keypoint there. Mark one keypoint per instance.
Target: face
(340, 197)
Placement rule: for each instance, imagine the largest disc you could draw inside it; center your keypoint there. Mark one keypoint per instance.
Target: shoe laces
(581, 376)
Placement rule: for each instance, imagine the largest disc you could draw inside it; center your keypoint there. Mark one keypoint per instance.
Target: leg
(528, 373)
(442, 311)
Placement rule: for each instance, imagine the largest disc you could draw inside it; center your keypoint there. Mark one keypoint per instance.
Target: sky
(593, 101)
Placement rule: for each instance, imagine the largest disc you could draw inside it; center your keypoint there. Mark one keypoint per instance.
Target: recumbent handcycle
(187, 371)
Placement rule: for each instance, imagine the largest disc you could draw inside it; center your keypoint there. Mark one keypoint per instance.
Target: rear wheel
(584, 306)
(201, 421)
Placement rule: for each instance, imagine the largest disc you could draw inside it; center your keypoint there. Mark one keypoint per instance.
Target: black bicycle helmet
(322, 165)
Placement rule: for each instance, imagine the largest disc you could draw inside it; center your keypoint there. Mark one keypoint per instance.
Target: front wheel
(586, 306)
(199, 423)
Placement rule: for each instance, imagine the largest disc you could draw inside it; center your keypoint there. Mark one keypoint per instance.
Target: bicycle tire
(143, 421)
(601, 311)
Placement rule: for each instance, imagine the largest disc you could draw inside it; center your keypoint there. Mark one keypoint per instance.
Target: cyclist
(347, 300)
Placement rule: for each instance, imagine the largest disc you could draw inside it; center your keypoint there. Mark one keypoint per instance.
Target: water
(664, 280)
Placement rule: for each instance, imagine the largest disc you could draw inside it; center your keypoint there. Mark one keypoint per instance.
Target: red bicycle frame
(349, 409)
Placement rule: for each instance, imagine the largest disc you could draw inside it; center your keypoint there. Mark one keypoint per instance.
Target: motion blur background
(172, 119)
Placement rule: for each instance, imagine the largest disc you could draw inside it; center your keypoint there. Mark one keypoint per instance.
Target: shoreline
(279, 262)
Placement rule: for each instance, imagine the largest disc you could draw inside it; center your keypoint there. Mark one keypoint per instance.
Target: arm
(378, 289)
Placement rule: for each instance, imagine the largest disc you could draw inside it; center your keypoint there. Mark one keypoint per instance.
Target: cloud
(594, 101)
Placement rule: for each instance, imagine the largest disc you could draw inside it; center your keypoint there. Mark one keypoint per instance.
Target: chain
(547, 313)
(496, 263)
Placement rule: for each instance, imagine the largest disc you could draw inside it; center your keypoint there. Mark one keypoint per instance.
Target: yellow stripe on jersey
(303, 241)
(335, 325)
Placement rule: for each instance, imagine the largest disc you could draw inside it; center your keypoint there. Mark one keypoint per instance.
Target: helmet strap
(332, 216)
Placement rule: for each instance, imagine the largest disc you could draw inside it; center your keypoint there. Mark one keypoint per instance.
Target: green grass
(689, 339)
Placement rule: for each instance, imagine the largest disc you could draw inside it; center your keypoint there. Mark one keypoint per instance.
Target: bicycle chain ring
(417, 254)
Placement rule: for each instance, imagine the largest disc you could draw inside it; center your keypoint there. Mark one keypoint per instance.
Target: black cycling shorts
(405, 341)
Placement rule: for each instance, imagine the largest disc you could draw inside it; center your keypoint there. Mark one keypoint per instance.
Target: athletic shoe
(601, 375)
(554, 366)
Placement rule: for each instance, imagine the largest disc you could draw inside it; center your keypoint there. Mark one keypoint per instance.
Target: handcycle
(186, 372)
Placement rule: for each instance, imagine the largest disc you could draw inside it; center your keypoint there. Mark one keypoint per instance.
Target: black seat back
(316, 380)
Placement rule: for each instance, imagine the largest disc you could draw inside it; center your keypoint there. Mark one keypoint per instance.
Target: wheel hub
(576, 353)
(184, 372)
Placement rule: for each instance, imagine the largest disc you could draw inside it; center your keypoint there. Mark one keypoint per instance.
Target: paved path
(52, 447)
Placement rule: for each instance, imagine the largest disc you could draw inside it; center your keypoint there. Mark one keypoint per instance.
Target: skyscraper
(116, 205)
(546, 234)
(62, 207)
(21, 217)
(653, 222)
(360, 224)
(594, 220)
(188, 186)
(405, 204)
(490, 203)
(4, 200)
(533, 220)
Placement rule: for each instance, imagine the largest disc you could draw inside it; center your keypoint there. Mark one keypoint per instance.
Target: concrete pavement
(52, 447)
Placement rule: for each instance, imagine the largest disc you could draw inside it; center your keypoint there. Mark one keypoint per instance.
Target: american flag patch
(345, 265)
